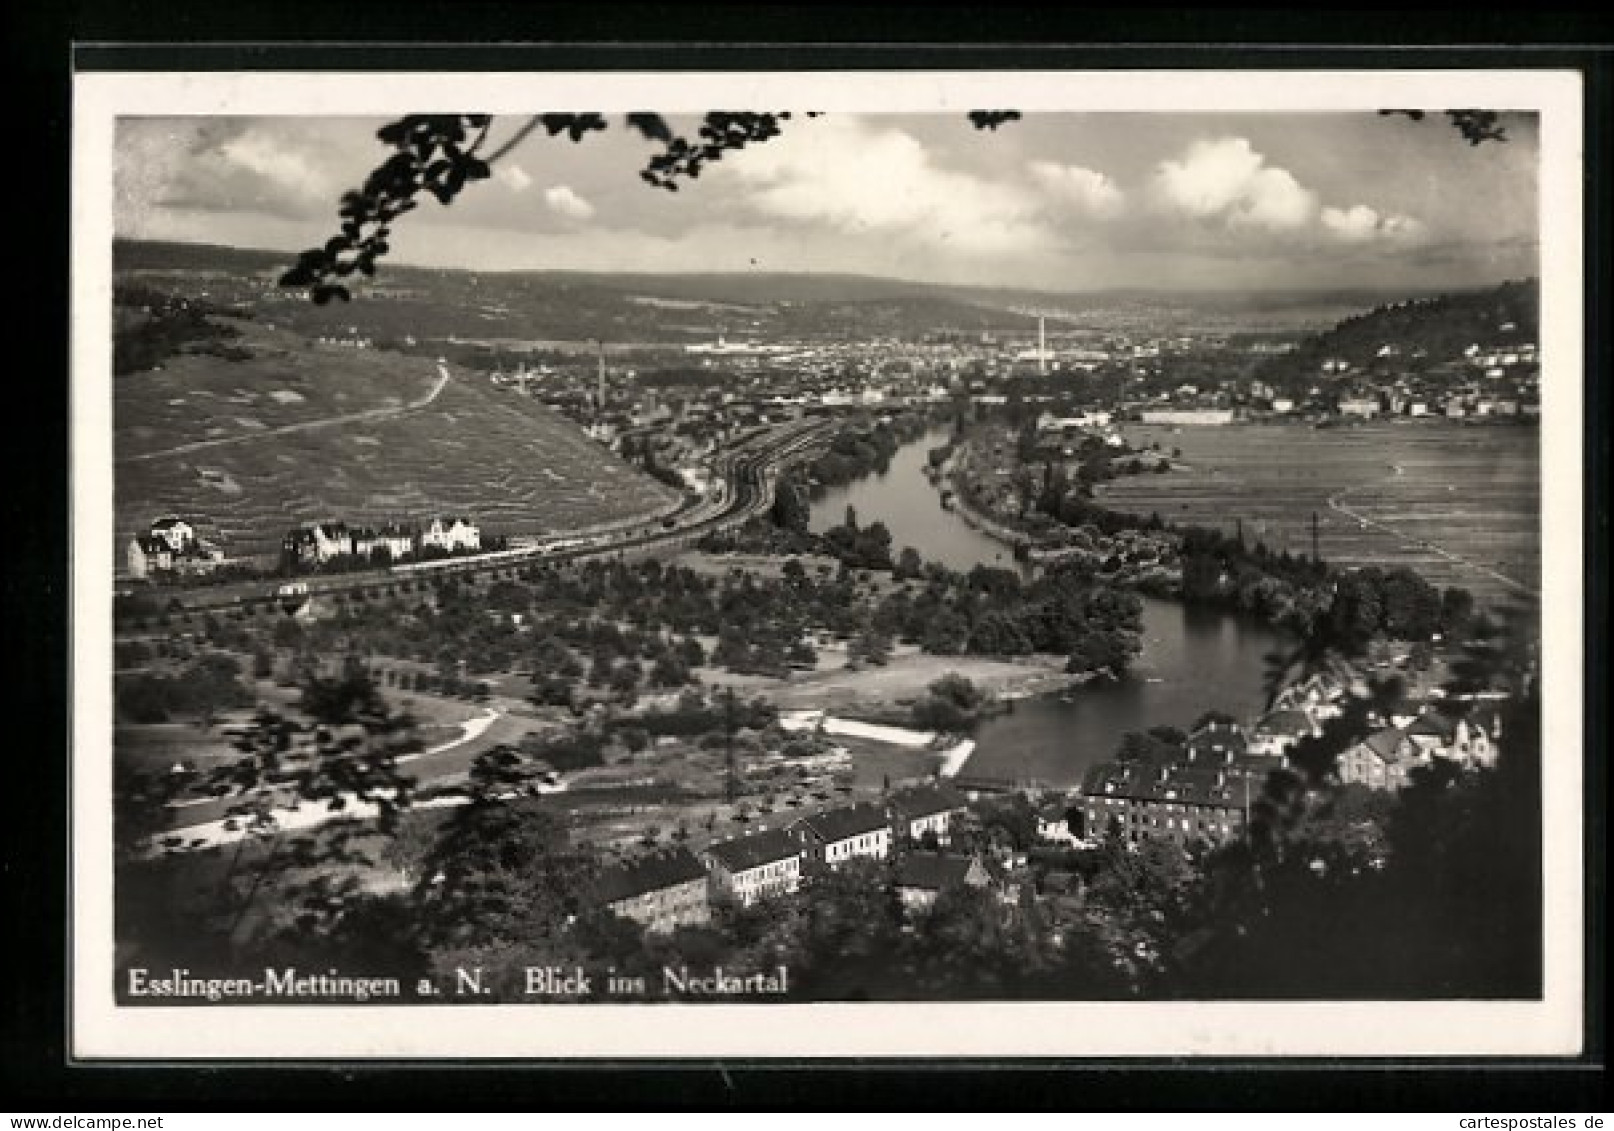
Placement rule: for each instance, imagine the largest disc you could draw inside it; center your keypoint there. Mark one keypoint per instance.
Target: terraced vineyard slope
(298, 432)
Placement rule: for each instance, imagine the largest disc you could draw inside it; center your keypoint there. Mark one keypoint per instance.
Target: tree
(844, 933)
(790, 508)
(625, 679)
(1141, 904)
(968, 944)
(952, 705)
(870, 647)
(339, 753)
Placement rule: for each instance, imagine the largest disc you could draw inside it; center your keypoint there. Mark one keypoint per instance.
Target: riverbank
(881, 691)
(1193, 659)
(953, 756)
(979, 520)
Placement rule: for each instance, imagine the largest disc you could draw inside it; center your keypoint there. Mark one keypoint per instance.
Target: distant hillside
(1413, 335)
(161, 255)
(641, 307)
(503, 459)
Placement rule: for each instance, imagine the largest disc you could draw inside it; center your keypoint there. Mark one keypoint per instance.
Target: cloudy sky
(1057, 201)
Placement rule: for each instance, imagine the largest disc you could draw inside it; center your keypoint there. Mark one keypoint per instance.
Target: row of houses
(1203, 790)
(321, 542)
(1411, 734)
(677, 887)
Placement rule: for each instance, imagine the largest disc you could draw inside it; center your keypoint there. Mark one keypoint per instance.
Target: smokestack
(601, 394)
(1042, 345)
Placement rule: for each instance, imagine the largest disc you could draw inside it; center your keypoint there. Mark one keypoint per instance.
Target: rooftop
(927, 800)
(932, 871)
(755, 850)
(643, 874)
(839, 824)
(1180, 783)
(1385, 743)
(1285, 722)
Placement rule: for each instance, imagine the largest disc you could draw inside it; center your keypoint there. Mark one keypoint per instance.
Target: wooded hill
(1419, 334)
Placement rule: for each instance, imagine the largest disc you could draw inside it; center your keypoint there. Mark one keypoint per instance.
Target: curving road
(202, 821)
(751, 475)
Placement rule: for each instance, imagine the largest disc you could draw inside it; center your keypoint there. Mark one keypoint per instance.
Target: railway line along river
(1193, 660)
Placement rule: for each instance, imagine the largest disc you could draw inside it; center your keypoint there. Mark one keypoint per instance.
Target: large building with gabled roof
(835, 836)
(758, 866)
(934, 808)
(661, 891)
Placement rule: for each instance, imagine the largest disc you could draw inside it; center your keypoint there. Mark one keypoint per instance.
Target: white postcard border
(101, 1029)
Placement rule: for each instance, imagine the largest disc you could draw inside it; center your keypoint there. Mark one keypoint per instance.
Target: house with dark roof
(176, 532)
(319, 542)
(1382, 760)
(934, 808)
(1321, 692)
(1279, 730)
(661, 891)
(147, 555)
(397, 539)
(921, 877)
(754, 867)
(1432, 731)
(834, 836)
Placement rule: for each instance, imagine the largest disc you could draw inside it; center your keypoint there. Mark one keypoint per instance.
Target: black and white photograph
(912, 563)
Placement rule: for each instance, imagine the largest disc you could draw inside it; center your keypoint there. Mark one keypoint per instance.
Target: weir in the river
(1193, 660)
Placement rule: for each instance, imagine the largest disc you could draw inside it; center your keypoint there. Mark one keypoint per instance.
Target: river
(1193, 659)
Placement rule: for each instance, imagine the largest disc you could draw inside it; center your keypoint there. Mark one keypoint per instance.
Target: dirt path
(369, 414)
(1336, 502)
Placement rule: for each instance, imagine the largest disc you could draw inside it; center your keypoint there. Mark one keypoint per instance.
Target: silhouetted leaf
(992, 119)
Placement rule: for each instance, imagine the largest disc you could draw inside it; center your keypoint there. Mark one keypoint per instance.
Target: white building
(929, 809)
(838, 835)
(754, 867)
(176, 532)
(451, 534)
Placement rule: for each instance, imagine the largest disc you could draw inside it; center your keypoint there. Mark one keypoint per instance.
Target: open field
(1458, 503)
(504, 460)
(839, 690)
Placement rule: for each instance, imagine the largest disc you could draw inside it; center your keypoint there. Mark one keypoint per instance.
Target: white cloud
(1359, 224)
(515, 177)
(1091, 192)
(1225, 178)
(863, 179)
(281, 165)
(563, 201)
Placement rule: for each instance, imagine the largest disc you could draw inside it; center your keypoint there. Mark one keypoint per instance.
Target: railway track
(750, 473)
